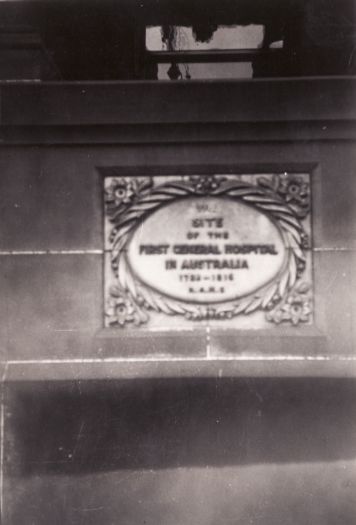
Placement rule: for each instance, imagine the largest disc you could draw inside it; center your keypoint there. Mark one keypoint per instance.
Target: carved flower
(121, 191)
(119, 309)
(297, 309)
(295, 190)
(205, 184)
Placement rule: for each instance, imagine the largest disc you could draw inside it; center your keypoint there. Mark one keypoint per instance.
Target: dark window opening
(137, 40)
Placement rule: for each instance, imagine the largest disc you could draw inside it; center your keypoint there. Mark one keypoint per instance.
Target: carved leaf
(272, 207)
(303, 287)
(142, 316)
(173, 190)
(176, 307)
(130, 283)
(292, 231)
(268, 183)
(122, 273)
(243, 191)
(283, 284)
(241, 307)
(145, 184)
(155, 198)
(126, 220)
(124, 231)
(137, 211)
(161, 304)
(298, 252)
(292, 271)
(253, 305)
(118, 247)
(286, 216)
(262, 198)
(270, 293)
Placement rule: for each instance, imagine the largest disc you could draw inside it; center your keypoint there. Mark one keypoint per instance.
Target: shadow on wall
(82, 427)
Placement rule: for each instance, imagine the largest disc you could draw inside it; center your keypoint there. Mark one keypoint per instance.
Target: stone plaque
(230, 250)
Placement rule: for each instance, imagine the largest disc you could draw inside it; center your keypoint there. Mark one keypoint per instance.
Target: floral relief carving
(121, 309)
(123, 191)
(284, 197)
(294, 308)
(293, 189)
(205, 184)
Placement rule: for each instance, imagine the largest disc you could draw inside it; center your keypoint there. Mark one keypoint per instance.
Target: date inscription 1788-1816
(208, 248)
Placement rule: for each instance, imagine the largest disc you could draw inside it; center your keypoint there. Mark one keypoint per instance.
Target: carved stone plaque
(226, 250)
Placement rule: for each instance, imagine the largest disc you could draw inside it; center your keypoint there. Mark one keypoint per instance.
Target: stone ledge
(145, 368)
(150, 102)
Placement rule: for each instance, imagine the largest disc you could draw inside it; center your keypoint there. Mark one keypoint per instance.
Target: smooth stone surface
(200, 235)
(171, 452)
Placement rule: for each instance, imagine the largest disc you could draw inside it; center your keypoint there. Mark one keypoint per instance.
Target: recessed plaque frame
(284, 199)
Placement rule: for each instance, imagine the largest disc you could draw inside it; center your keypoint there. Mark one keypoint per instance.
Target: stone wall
(138, 426)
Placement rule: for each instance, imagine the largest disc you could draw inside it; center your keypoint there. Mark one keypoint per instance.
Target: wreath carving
(284, 198)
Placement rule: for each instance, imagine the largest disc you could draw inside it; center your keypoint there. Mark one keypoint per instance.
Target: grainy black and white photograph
(178, 262)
